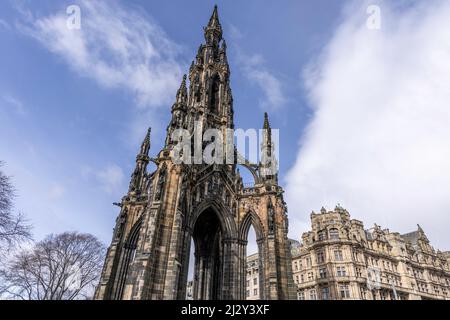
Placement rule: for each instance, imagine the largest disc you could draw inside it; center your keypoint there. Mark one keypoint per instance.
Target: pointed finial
(182, 92)
(213, 31)
(419, 228)
(266, 121)
(147, 136)
(145, 147)
(214, 20)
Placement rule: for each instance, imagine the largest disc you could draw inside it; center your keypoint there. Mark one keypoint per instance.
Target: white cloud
(270, 85)
(254, 68)
(110, 178)
(379, 141)
(117, 47)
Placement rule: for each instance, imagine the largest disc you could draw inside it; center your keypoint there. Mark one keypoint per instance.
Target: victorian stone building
(252, 283)
(149, 253)
(339, 259)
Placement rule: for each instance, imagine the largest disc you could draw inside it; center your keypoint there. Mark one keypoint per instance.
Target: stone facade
(338, 259)
(252, 283)
(149, 254)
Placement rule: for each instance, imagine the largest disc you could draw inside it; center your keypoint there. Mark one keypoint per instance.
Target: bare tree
(13, 227)
(66, 266)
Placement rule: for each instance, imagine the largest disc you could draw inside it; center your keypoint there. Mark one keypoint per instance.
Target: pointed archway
(251, 220)
(207, 235)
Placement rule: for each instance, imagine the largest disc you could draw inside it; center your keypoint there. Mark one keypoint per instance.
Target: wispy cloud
(257, 72)
(255, 69)
(14, 103)
(110, 178)
(379, 141)
(116, 46)
(234, 32)
(4, 25)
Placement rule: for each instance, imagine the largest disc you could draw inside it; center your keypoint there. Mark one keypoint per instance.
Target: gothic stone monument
(163, 210)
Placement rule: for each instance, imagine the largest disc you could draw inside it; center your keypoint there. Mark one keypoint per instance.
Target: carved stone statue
(161, 183)
(121, 223)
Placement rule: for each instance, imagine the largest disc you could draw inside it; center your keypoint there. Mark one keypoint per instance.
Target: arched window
(321, 235)
(334, 234)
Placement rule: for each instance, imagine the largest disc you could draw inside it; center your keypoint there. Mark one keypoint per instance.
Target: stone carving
(121, 223)
(161, 184)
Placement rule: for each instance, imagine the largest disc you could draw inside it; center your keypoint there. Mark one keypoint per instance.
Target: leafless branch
(60, 267)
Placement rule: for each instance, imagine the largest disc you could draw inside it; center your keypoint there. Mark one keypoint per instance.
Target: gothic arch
(128, 251)
(252, 170)
(251, 219)
(223, 213)
(213, 230)
(133, 236)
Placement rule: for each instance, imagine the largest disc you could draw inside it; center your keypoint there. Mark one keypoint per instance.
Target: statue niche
(196, 88)
(161, 183)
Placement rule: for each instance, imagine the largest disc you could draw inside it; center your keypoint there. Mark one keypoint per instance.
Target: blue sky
(75, 104)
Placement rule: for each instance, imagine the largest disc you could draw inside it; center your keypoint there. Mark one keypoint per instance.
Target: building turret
(139, 176)
(268, 163)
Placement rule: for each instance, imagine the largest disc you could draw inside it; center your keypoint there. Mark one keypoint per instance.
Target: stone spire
(182, 92)
(139, 176)
(267, 134)
(145, 146)
(179, 109)
(209, 82)
(269, 164)
(213, 31)
(266, 124)
(223, 54)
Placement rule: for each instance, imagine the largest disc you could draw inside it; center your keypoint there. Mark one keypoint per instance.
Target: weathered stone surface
(340, 260)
